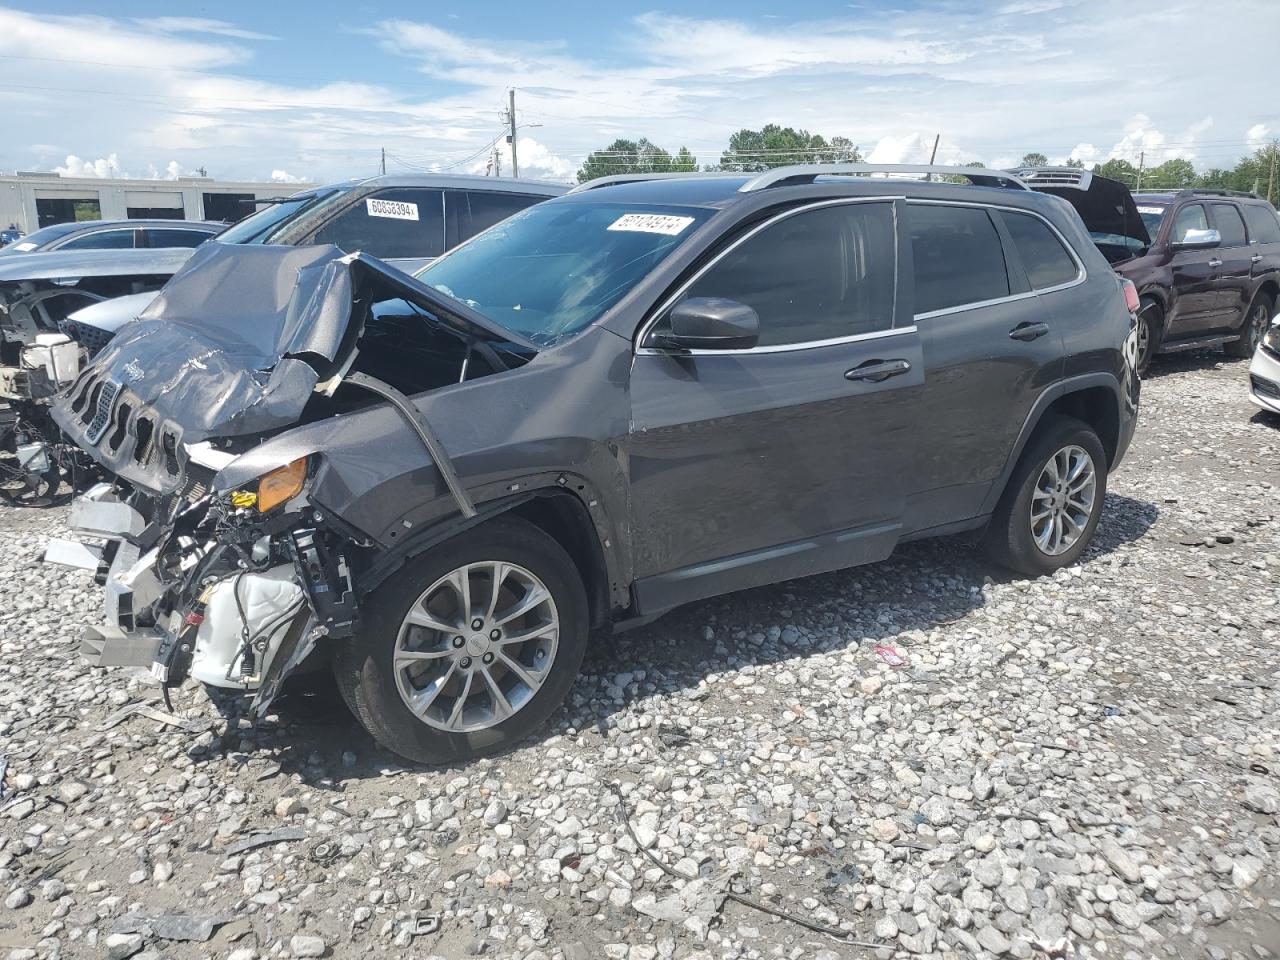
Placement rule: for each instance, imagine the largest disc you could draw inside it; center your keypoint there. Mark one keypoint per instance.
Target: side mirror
(1198, 240)
(712, 323)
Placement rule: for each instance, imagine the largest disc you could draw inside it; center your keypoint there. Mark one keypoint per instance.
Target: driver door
(753, 465)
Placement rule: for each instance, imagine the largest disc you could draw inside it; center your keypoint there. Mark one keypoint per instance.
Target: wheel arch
(556, 511)
(1094, 399)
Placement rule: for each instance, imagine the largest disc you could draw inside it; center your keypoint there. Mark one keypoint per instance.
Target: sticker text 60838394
(651, 223)
(395, 209)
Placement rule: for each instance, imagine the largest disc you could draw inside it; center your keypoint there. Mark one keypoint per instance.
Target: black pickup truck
(1206, 262)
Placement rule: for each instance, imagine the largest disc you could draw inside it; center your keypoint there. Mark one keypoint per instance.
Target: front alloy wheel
(469, 647)
(476, 646)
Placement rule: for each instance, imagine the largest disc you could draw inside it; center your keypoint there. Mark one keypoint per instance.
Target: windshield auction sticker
(1150, 210)
(651, 223)
(395, 209)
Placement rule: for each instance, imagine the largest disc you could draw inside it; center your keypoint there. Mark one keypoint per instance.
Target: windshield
(271, 220)
(1152, 214)
(556, 267)
(42, 236)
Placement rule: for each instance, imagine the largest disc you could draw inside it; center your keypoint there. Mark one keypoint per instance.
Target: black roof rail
(1214, 192)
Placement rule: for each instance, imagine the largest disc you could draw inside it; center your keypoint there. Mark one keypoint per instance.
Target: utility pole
(511, 137)
(384, 161)
(1271, 180)
(1142, 160)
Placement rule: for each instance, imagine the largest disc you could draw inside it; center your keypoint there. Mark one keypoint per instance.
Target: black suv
(643, 393)
(1206, 263)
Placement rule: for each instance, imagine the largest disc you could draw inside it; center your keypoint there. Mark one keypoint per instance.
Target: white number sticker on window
(1151, 210)
(395, 209)
(24, 246)
(651, 223)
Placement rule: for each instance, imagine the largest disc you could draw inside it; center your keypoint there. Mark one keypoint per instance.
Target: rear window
(1226, 219)
(479, 210)
(958, 257)
(1046, 260)
(163, 237)
(1264, 226)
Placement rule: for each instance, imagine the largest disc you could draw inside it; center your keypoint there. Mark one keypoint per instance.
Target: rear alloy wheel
(470, 647)
(1053, 501)
(1254, 329)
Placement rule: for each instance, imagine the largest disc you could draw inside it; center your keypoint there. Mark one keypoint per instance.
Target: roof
(460, 181)
(135, 224)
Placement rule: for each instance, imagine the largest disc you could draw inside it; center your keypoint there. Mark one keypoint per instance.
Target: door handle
(877, 371)
(1028, 331)
(1215, 263)
(1255, 258)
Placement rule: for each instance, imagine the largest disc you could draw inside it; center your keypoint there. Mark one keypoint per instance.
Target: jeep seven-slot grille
(123, 429)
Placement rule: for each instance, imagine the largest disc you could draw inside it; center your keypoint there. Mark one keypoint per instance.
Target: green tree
(1034, 160)
(635, 156)
(1075, 164)
(1121, 170)
(1175, 174)
(751, 151)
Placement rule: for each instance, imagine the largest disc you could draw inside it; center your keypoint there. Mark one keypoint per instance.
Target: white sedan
(1264, 371)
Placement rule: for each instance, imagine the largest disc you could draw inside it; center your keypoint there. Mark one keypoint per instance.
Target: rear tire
(499, 567)
(1256, 320)
(1043, 492)
(1150, 332)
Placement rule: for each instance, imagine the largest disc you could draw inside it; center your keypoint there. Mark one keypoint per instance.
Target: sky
(298, 91)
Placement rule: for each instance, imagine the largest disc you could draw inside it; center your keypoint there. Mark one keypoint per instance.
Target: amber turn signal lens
(279, 485)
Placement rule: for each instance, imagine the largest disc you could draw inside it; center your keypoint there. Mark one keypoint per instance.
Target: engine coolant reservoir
(266, 599)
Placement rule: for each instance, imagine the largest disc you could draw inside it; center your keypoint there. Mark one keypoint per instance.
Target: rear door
(794, 456)
(991, 346)
(402, 225)
(1234, 284)
(1264, 239)
(1196, 307)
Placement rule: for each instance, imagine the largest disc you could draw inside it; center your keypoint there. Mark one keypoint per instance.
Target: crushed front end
(232, 589)
(218, 556)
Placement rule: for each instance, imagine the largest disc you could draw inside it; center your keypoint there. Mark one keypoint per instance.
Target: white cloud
(75, 167)
(219, 28)
(284, 176)
(1062, 77)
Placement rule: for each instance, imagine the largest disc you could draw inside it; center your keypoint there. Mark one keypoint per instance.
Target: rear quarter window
(958, 257)
(1264, 225)
(1046, 260)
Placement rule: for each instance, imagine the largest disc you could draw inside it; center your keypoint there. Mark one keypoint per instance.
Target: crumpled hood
(74, 264)
(235, 345)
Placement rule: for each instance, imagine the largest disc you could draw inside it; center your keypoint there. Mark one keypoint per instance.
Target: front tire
(1254, 328)
(1051, 507)
(470, 647)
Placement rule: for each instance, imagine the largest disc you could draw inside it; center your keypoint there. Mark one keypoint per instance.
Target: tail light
(1130, 295)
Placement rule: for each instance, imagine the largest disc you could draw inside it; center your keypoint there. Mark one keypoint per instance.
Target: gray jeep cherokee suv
(645, 392)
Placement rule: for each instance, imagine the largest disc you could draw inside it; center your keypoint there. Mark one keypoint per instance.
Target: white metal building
(34, 200)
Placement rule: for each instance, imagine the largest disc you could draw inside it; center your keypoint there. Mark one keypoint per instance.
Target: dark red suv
(1206, 262)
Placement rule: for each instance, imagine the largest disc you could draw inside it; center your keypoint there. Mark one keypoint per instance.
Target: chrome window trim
(777, 347)
(639, 349)
(1081, 273)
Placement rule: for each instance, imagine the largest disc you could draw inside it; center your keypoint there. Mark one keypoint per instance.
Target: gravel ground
(925, 754)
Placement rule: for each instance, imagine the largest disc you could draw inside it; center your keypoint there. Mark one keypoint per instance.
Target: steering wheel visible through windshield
(554, 268)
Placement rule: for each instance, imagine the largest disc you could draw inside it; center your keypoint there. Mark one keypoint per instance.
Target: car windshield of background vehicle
(553, 269)
(267, 223)
(1152, 214)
